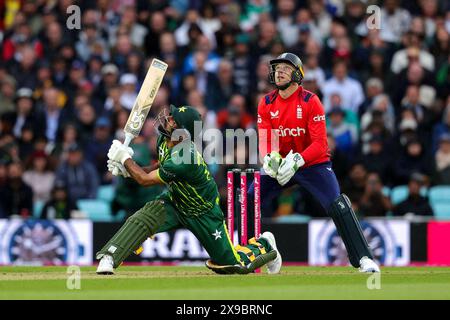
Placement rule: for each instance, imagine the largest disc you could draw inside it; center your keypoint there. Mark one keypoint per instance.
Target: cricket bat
(144, 100)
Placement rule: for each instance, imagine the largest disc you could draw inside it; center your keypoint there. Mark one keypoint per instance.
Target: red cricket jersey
(298, 123)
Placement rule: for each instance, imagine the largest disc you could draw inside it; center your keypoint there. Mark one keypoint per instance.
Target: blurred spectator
(26, 114)
(21, 35)
(16, 196)
(345, 134)
(380, 107)
(412, 159)
(442, 161)
(7, 94)
(96, 149)
(395, 21)
(59, 206)
(128, 96)
(24, 69)
(39, 176)
(78, 175)
(321, 18)
(354, 184)
(110, 76)
(123, 47)
(286, 25)
(220, 88)
(192, 20)
(54, 116)
(374, 87)
(403, 58)
(377, 159)
(251, 13)
(53, 39)
(158, 25)
(244, 64)
(339, 158)
(68, 137)
(26, 142)
(90, 42)
(373, 202)
(442, 127)
(415, 203)
(349, 89)
(237, 106)
(85, 122)
(128, 21)
(313, 70)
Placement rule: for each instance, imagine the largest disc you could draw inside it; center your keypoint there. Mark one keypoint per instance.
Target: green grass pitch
(198, 283)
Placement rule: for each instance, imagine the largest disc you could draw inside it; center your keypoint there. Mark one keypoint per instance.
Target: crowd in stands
(65, 93)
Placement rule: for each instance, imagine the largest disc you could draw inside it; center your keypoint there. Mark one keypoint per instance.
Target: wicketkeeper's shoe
(368, 265)
(106, 265)
(273, 266)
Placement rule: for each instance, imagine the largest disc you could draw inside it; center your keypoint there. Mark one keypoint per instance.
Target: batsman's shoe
(273, 266)
(105, 266)
(368, 265)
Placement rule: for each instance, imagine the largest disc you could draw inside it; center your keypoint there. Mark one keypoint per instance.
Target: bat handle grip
(128, 138)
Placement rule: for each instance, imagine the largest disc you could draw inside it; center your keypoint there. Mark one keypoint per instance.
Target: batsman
(295, 118)
(192, 202)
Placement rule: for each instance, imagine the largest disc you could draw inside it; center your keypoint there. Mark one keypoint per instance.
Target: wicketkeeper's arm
(140, 176)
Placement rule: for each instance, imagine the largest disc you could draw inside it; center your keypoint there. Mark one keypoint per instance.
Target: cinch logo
(274, 115)
(291, 132)
(319, 118)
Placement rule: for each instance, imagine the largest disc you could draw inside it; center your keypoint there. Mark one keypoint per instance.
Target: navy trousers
(319, 180)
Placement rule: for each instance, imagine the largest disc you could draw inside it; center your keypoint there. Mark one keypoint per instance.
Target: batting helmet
(293, 60)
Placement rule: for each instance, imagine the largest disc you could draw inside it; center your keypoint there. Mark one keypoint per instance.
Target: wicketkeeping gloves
(271, 163)
(288, 167)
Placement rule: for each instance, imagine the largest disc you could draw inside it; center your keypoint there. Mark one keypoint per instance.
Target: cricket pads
(349, 229)
(141, 225)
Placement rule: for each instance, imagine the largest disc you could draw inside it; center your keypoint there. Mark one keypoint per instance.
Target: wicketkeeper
(192, 202)
(296, 118)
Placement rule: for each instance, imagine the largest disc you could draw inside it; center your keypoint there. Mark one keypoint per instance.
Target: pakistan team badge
(217, 234)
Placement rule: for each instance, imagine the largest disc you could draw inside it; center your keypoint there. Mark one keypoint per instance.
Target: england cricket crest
(299, 112)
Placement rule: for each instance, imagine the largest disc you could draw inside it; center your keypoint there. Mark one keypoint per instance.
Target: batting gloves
(289, 167)
(119, 152)
(117, 169)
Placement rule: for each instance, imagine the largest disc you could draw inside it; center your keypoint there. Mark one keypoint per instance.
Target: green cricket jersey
(191, 186)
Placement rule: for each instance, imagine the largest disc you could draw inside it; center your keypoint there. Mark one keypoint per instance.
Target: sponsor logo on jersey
(289, 132)
(275, 115)
(319, 118)
(259, 119)
(299, 112)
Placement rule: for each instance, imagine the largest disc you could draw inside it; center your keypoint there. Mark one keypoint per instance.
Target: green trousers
(211, 231)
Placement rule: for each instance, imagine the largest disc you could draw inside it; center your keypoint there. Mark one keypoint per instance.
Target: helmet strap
(284, 86)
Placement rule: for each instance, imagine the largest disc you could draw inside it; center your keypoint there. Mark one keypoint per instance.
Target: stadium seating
(400, 193)
(106, 193)
(97, 210)
(439, 194)
(293, 218)
(441, 210)
(386, 191)
(37, 208)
